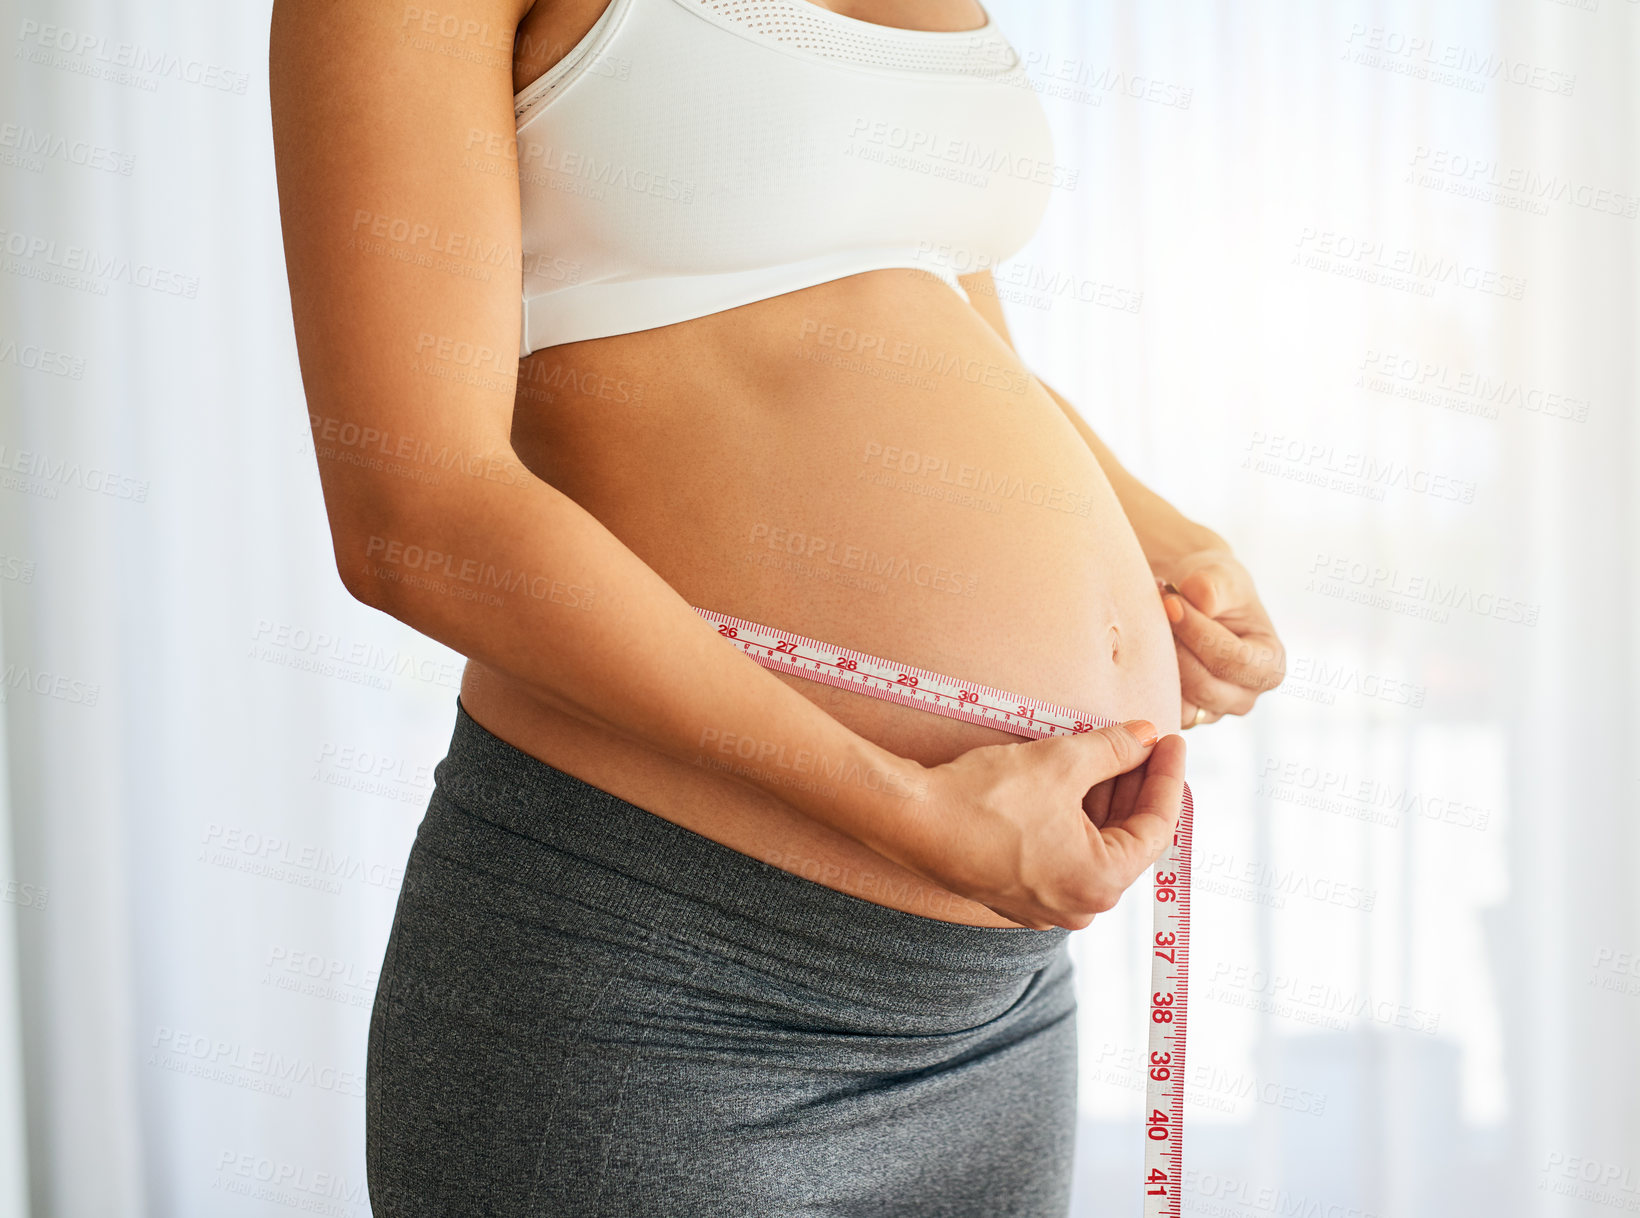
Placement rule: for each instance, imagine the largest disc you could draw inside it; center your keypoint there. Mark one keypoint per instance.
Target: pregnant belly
(867, 463)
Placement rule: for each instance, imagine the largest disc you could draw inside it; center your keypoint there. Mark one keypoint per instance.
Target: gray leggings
(585, 1009)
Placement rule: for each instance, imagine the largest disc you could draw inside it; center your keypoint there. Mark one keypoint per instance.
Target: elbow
(356, 552)
(377, 546)
(368, 542)
(380, 541)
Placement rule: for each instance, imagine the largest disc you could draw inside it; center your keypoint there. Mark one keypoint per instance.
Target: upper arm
(982, 293)
(398, 201)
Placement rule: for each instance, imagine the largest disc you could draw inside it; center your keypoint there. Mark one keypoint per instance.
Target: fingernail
(1143, 730)
(1174, 608)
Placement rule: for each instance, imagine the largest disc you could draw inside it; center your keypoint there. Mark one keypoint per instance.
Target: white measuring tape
(783, 651)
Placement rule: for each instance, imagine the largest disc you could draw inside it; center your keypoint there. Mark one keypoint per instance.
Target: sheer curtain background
(1353, 283)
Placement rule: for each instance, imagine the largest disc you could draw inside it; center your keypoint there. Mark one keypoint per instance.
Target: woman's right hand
(1051, 832)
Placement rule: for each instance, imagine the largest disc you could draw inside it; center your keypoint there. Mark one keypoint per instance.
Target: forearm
(530, 585)
(1165, 534)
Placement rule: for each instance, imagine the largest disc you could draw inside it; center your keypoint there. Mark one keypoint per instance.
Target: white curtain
(1354, 284)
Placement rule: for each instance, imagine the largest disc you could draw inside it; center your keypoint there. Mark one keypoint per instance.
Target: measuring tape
(782, 651)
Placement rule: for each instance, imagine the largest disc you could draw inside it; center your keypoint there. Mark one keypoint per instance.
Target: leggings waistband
(615, 857)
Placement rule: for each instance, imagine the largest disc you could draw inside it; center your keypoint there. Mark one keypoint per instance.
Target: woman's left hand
(1228, 650)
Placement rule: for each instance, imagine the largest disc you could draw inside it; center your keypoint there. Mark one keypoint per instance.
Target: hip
(586, 1009)
(507, 836)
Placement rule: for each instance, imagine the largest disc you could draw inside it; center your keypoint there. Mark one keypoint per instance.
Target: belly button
(1115, 645)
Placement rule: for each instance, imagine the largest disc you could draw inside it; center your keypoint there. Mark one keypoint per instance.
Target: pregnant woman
(683, 933)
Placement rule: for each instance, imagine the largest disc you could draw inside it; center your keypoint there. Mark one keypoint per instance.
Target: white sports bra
(689, 156)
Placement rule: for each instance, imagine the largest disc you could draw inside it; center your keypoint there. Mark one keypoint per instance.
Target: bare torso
(828, 462)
